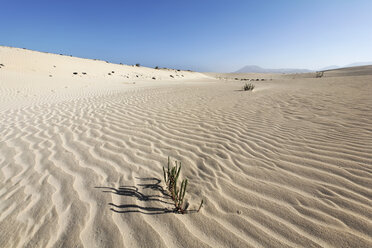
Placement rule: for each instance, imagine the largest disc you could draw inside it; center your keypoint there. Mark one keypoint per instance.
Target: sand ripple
(287, 166)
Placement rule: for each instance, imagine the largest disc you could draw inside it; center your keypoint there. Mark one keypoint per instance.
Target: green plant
(171, 175)
(200, 206)
(248, 87)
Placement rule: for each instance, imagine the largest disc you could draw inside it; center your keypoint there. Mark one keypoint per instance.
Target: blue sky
(202, 35)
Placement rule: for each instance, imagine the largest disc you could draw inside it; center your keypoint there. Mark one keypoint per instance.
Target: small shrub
(156, 67)
(154, 78)
(171, 176)
(138, 65)
(248, 87)
(319, 74)
(75, 73)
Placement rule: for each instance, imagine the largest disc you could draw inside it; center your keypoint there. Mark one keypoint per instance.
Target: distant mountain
(358, 64)
(333, 67)
(257, 69)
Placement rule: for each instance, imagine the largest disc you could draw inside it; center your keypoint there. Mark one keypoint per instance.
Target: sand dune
(287, 165)
(349, 71)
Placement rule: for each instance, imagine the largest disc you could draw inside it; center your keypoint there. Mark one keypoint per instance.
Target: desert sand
(81, 155)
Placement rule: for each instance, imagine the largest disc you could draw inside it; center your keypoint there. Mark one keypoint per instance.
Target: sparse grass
(171, 175)
(248, 87)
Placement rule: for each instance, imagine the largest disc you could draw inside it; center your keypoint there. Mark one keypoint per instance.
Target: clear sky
(202, 35)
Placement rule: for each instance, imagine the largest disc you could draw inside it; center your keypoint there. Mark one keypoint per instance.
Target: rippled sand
(287, 165)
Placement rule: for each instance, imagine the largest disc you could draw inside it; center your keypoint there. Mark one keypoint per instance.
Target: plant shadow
(155, 193)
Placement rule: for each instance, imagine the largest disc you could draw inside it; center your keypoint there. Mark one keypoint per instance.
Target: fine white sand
(81, 156)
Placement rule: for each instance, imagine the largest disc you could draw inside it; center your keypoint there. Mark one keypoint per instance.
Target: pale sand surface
(287, 165)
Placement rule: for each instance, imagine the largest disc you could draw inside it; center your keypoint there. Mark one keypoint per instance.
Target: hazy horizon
(203, 36)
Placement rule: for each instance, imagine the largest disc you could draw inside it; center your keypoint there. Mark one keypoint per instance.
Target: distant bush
(156, 67)
(138, 65)
(248, 87)
(319, 74)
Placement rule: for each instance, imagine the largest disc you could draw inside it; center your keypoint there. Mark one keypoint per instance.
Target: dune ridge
(287, 165)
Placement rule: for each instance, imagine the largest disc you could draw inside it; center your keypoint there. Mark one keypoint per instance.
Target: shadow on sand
(157, 195)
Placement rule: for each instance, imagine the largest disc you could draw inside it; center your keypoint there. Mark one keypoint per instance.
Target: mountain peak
(258, 69)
